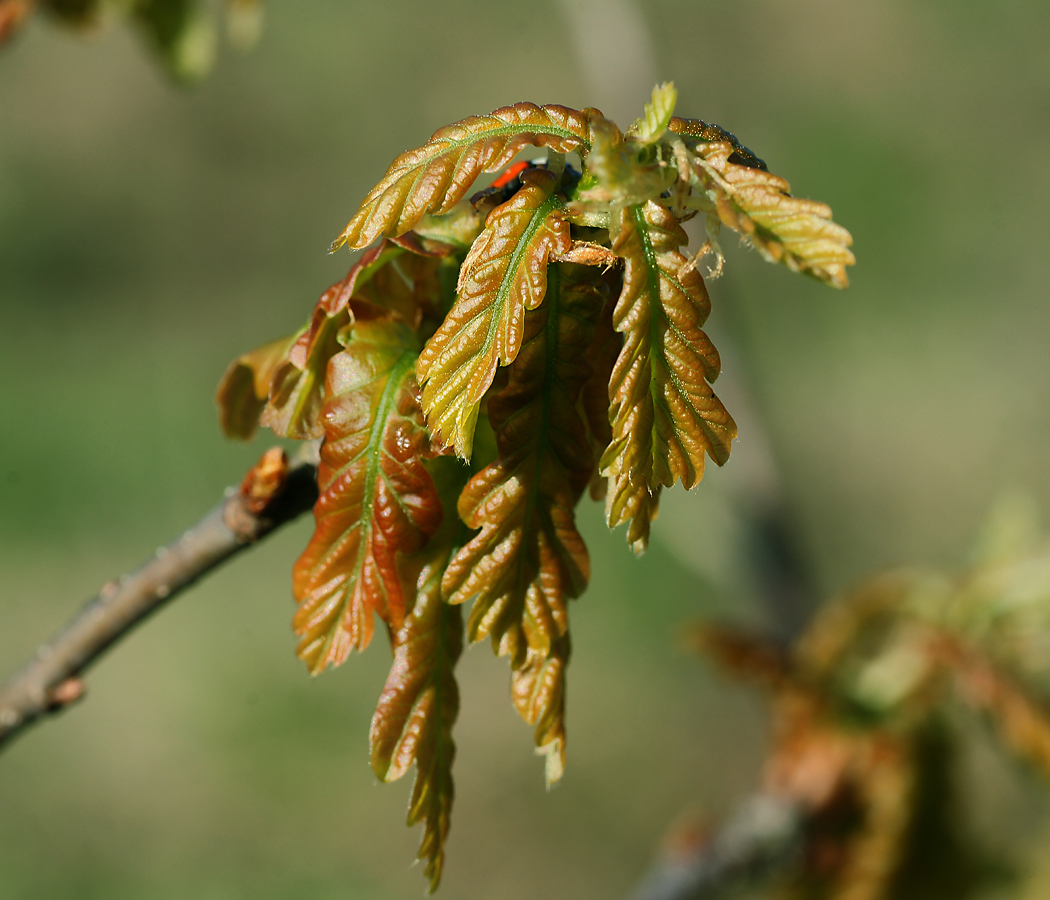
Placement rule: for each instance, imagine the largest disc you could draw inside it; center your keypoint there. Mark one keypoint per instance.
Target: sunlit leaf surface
(796, 232)
(377, 499)
(665, 417)
(438, 174)
(503, 275)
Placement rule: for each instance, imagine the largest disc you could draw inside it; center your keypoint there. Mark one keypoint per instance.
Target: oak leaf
(758, 204)
(503, 275)
(528, 559)
(297, 385)
(417, 709)
(435, 176)
(377, 500)
(538, 689)
(664, 415)
(657, 114)
(245, 386)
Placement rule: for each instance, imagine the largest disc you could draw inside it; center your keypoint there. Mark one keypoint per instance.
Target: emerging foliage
(419, 704)
(478, 369)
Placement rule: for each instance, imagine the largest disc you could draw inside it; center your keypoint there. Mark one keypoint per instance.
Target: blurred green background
(150, 233)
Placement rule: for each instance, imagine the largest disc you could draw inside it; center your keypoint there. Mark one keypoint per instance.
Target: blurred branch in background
(860, 763)
(762, 835)
(272, 494)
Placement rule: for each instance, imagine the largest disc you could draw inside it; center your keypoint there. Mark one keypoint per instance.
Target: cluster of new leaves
(479, 368)
(183, 33)
(860, 740)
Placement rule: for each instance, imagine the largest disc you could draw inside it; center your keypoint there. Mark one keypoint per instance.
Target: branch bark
(272, 494)
(761, 837)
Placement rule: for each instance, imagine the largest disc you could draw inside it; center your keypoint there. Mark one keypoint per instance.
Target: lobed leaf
(538, 689)
(658, 112)
(244, 387)
(377, 500)
(503, 275)
(417, 709)
(752, 201)
(528, 559)
(388, 276)
(435, 176)
(297, 385)
(664, 415)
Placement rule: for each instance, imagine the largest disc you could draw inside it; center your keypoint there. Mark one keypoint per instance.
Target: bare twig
(272, 494)
(759, 838)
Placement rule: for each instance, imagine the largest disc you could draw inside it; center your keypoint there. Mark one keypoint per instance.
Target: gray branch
(51, 680)
(760, 838)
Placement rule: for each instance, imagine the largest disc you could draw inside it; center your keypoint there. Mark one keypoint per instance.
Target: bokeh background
(150, 233)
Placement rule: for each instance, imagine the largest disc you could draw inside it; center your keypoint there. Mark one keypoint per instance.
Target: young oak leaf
(417, 709)
(377, 500)
(664, 415)
(752, 201)
(297, 385)
(538, 689)
(435, 176)
(244, 387)
(503, 275)
(658, 111)
(528, 559)
(601, 357)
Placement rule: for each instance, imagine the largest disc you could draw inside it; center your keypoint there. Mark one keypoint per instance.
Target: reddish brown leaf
(594, 397)
(665, 416)
(528, 559)
(437, 175)
(503, 275)
(377, 499)
(417, 709)
(242, 393)
(387, 276)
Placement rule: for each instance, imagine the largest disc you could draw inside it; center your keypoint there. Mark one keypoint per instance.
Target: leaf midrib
(372, 453)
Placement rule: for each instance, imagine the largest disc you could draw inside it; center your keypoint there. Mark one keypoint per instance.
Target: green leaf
(377, 500)
(503, 275)
(619, 172)
(664, 415)
(438, 174)
(658, 111)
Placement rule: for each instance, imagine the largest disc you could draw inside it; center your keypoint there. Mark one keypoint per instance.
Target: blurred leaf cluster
(183, 33)
(864, 721)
